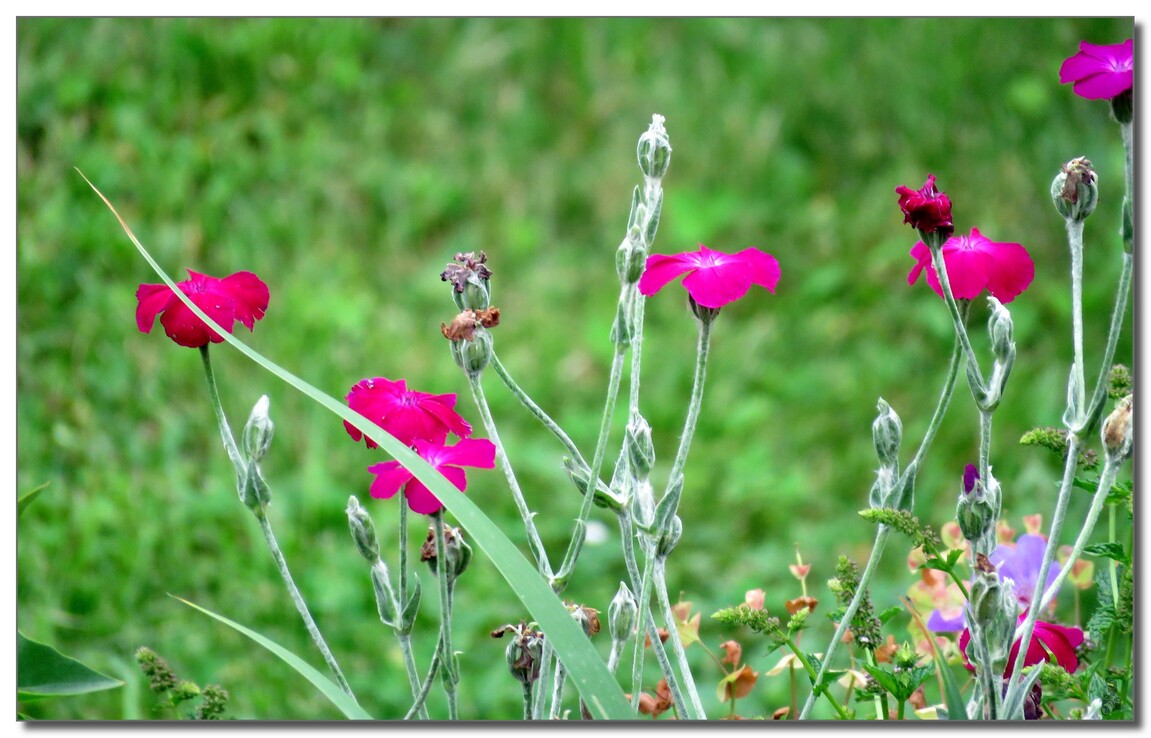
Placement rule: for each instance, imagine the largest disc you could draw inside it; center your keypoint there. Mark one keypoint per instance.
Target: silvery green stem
(580, 532)
(985, 449)
(266, 526)
(298, 600)
(539, 697)
(693, 709)
(1028, 627)
(426, 687)
(1128, 159)
(444, 577)
(527, 700)
(405, 639)
(693, 406)
(1106, 478)
(956, 315)
(1095, 409)
(526, 516)
(986, 671)
(940, 408)
(881, 537)
(536, 410)
(558, 682)
(1075, 243)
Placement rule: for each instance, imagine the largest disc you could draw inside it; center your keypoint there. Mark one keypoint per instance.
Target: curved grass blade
(27, 499)
(338, 697)
(585, 668)
(42, 671)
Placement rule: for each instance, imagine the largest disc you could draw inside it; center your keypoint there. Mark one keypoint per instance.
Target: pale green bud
(1002, 331)
(385, 597)
(1117, 433)
(363, 530)
(258, 430)
(473, 354)
(640, 449)
(654, 149)
(621, 614)
(887, 434)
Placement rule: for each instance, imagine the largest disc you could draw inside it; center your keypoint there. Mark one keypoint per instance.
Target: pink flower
(926, 209)
(1100, 72)
(406, 414)
(975, 263)
(1060, 640)
(716, 278)
(391, 475)
(242, 296)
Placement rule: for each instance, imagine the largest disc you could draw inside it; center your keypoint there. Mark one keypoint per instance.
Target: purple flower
(970, 476)
(1020, 562)
(1100, 72)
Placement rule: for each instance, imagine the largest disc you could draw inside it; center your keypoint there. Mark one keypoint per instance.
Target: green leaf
(42, 671)
(596, 685)
(885, 679)
(344, 702)
(889, 613)
(1110, 550)
(27, 499)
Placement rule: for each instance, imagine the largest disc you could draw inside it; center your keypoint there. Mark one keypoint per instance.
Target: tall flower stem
(693, 408)
(266, 526)
(426, 687)
(444, 577)
(957, 315)
(404, 635)
(526, 516)
(1095, 409)
(693, 709)
(535, 409)
(883, 531)
(1075, 244)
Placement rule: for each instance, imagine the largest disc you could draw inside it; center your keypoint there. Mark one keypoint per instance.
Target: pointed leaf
(27, 499)
(42, 671)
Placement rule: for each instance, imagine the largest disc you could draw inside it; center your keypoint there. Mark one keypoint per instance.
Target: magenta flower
(926, 209)
(408, 415)
(716, 278)
(975, 263)
(1100, 72)
(1060, 640)
(391, 475)
(241, 296)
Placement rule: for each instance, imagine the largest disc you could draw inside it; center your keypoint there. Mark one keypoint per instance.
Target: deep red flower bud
(926, 209)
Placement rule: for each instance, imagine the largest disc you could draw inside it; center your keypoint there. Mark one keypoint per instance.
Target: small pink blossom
(754, 598)
(391, 476)
(975, 263)
(1100, 72)
(241, 296)
(406, 414)
(1060, 640)
(715, 278)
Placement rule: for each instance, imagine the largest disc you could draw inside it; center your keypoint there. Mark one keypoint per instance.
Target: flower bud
(408, 616)
(254, 491)
(975, 512)
(1117, 430)
(470, 277)
(668, 540)
(579, 476)
(472, 354)
(385, 597)
(258, 430)
(587, 617)
(1002, 331)
(640, 450)
(880, 493)
(621, 614)
(459, 552)
(654, 149)
(887, 433)
(993, 608)
(1075, 190)
(630, 258)
(363, 530)
(1123, 106)
(525, 651)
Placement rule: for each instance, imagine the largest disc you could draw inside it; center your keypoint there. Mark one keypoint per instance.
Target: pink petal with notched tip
(661, 269)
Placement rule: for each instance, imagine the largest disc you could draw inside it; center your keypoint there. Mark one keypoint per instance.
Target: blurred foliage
(346, 161)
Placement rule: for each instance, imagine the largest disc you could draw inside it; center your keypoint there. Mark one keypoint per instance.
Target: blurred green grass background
(346, 161)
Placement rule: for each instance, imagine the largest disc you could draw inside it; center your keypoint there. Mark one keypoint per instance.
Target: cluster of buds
(991, 613)
(525, 651)
(978, 509)
(471, 290)
(257, 439)
(393, 613)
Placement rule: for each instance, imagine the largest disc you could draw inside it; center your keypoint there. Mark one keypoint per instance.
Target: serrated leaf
(884, 679)
(344, 702)
(27, 499)
(42, 671)
(585, 668)
(1109, 549)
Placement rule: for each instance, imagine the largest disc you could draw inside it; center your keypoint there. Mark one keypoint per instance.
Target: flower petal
(661, 269)
(390, 476)
(250, 295)
(420, 498)
(477, 452)
(922, 256)
(1104, 86)
(153, 298)
(185, 327)
(716, 286)
(763, 268)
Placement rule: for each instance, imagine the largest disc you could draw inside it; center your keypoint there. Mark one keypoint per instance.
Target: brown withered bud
(462, 326)
(983, 564)
(587, 617)
(794, 606)
(488, 317)
(524, 652)
(1117, 430)
(468, 265)
(1079, 171)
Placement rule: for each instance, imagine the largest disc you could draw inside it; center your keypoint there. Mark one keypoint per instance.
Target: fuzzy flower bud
(1117, 430)
(1075, 190)
(385, 597)
(887, 433)
(654, 149)
(473, 354)
(459, 552)
(641, 451)
(258, 430)
(363, 530)
(1002, 331)
(525, 651)
(975, 512)
(621, 614)
(630, 258)
(579, 476)
(993, 608)
(669, 539)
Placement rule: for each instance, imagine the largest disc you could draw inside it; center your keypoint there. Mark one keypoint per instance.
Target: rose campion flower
(975, 263)
(1060, 640)
(1100, 72)
(241, 296)
(391, 476)
(715, 278)
(926, 209)
(406, 414)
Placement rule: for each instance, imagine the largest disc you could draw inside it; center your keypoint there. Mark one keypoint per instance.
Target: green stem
(840, 710)
(405, 640)
(694, 405)
(535, 409)
(881, 536)
(527, 700)
(1075, 245)
(956, 315)
(221, 419)
(404, 636)
(426, 688)
(547, 662)
(558, 682)
(298, 600)
(444, 577)
(940, 408)
(693, 709)
(880, 699)
(526, 516)
(1095, 409)
(1113, 564)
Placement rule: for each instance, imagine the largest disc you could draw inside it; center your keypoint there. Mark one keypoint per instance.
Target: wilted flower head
(406, 414)
(975, 263)
(1100, 72)
(926, 209)
(241, 296)
(715, 278)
